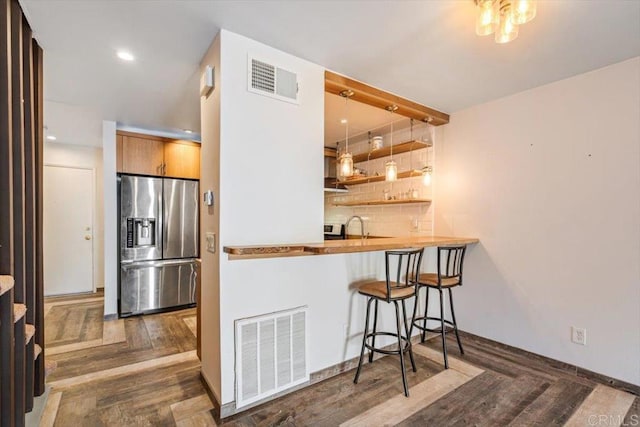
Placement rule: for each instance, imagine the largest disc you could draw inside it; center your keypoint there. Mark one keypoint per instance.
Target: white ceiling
(423, 50)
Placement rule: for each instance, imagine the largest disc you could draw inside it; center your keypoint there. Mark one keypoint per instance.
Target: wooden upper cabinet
(182, 159)
(142, 156)
(157, 156)
(119, 167)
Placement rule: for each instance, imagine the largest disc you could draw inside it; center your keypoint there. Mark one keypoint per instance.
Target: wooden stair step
(29, 332)
(36, 351)
(19, 310)
(6, 283)
(49, 367)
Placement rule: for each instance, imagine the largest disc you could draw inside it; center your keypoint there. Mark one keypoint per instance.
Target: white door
(68, 230)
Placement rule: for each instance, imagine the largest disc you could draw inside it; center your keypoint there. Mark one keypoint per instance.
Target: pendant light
(427, 170)
(391, 168)
(346, 159)
(507, 29)
(523, 11)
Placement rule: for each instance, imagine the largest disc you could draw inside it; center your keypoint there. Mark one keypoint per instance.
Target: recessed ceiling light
(125, 56)
(343, 121)
(188, 131)
(51, 138)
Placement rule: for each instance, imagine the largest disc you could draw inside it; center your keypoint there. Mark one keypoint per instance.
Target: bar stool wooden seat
(450, 260)
(407, 267)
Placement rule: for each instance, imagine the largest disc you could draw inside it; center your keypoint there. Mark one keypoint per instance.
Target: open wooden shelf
(378, 178)
(386, 151)
(383, 202)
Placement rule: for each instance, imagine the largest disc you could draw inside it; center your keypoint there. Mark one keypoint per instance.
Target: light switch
(211, 242)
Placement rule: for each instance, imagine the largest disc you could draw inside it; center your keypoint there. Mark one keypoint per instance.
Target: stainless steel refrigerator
(159, 243)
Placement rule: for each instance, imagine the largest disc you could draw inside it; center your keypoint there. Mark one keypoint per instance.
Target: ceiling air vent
(267, 79)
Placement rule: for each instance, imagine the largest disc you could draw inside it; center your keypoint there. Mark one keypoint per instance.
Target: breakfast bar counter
(342, 246)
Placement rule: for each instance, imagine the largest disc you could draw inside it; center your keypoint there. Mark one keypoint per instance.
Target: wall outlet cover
(211, 242)
(578, 335)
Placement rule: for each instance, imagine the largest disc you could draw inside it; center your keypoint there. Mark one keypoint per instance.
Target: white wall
(110, 218)
(271, 190)
(549, 180)
(91, 158)
(209, 223)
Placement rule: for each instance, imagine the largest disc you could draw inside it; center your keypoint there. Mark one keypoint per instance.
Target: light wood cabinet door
(182, 159)
(119, 167)
(142, 156)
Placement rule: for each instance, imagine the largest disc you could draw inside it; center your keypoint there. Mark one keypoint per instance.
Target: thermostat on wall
(206, 81)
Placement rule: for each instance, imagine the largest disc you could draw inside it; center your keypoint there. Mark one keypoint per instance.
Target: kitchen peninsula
(343, 246)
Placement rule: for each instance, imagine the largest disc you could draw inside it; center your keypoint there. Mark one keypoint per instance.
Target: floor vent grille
(271, 354)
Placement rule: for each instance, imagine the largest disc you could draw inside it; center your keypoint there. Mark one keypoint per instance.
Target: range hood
(331, 184)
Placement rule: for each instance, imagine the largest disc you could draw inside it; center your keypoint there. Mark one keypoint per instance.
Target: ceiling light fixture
(125, 56)
(346, 159)
(502, 17)
(51, 138)
(391, 168)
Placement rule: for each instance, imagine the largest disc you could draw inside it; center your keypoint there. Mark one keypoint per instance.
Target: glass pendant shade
(391, 171)
(506, 30)
(522, 11)
(487, 18)
(346, 165)
(426, 178)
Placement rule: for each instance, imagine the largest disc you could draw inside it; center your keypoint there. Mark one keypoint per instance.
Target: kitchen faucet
(346, 226)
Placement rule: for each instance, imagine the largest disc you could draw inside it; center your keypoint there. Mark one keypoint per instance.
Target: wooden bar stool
(449, 275)
(407, 265)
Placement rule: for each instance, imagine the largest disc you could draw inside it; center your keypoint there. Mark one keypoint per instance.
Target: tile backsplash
(388, 220)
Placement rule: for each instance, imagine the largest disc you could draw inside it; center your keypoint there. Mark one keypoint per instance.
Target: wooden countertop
(343, 246)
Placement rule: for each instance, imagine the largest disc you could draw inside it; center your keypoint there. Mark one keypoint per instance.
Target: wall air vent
(270, 80)
(271, 354)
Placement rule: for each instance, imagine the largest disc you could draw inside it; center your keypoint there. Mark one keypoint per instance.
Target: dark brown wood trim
(38, 133)
(18, 152)
(215, 412)
(29, 172)
(6, 175)
(29, 204)
(336, 83)
(7, 360)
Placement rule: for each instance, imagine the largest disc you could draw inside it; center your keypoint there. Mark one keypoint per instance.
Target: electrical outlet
(211, 242)
(579, 335)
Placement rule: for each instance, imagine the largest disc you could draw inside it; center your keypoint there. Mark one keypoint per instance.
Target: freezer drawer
(153, 285)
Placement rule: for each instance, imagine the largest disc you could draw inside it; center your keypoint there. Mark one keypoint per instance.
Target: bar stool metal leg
(444, 330)
(375, 329)
(408, 330)
(404, 373)
(455, 324)
(364, 341)
(426, 311)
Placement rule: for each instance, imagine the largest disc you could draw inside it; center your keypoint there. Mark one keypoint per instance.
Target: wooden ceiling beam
(336, 83)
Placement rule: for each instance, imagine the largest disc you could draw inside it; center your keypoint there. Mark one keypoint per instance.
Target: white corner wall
(110, 218)
(549, 180)
(271, 186)
(209, 223)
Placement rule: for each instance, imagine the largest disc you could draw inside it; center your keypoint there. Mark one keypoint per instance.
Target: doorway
(68, 230)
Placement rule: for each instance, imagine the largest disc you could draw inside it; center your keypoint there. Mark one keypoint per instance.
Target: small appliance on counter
(159, 266)
(333, 231)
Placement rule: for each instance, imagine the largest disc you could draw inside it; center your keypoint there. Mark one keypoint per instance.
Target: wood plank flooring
(143, 371)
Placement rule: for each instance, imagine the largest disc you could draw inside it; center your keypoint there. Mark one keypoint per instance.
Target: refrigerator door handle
(146, 264)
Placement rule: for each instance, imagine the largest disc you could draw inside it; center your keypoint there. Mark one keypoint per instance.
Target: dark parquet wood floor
(143, 371)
